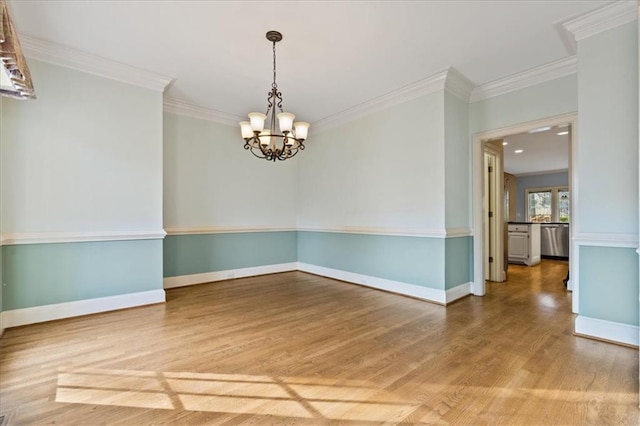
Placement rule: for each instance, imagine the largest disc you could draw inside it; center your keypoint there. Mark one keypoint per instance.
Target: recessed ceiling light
(566, 132)
(505, 143)
(519, 151)
(540, 129)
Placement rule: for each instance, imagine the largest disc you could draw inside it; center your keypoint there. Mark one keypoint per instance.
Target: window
(548, 205)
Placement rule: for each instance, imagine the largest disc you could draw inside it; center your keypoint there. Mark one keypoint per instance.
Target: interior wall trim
(543, 73)
(406, 93)
(458, 292)
(399, 232)
(602, 19)
(433, 295)
(440, 297)
(227, 230)
(180, 108)
(68, 57)
(458, 84)
(207, 277)
(459, 232)
(606, 240)
(76, 237)
(607, 330)
(18, 317)
(412, 290)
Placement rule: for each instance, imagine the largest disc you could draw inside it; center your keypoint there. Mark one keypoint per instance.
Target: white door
(494, 238)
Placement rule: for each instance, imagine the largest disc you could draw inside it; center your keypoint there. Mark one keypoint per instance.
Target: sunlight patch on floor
(300, 397)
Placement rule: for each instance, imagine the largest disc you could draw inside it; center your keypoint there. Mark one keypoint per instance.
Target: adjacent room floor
(295, 348)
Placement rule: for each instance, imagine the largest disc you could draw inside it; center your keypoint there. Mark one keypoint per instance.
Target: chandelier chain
(274, 85)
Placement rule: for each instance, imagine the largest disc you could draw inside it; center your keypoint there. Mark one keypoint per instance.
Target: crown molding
(174, 106)
(602, 19)
(68, 57)
(530, 77)
(459, 85)
(543, 172)
(406, 93)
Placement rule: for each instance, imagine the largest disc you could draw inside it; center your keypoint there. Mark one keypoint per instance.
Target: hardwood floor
(295, 348)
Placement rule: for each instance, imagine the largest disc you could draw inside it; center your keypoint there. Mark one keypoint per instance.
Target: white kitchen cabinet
(524, 243)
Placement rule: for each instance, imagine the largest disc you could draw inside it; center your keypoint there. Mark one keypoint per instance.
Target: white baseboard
(207, 277)
(458, 292)
(607, 330)
(425, 293)
(18, 317)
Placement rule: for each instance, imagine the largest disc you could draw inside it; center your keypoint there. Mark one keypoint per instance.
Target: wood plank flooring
(295, 348)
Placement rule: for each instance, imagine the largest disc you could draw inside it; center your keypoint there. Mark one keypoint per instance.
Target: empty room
(319, 212)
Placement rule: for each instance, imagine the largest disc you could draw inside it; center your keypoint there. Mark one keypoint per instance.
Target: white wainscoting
(18, 317)
(607, 330)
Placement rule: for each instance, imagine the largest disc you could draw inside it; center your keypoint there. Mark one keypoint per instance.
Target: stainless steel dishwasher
(554, 240)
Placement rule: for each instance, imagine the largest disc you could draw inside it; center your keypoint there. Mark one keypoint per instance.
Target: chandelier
(267, 143)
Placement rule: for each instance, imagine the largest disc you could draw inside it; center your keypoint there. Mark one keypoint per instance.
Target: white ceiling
(544, 151)
(334, 54)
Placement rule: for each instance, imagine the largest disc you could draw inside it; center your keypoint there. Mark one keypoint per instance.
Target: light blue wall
(609, 284)
(377, 171)
(536, 181)
(84, 158)
(457, 163)
(458, 266)
(387, 176)
(43, 274)
(412, 260)
(195, 254)
(608, 167)
(212, 184)
(608, 131)
(211, 181)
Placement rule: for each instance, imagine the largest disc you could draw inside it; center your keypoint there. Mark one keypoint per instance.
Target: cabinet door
(518, 245)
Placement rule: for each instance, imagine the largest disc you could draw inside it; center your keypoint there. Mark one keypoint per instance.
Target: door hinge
(490, 169)
(490, 259)
(490, 214)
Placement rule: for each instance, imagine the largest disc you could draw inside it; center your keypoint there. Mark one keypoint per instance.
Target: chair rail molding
(75, 237)
(399, 232)
(226, 229)
(606, 239)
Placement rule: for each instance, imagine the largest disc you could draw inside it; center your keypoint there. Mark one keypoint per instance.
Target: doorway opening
(498, 201)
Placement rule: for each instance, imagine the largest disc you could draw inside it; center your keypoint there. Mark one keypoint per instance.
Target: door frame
(478, 287)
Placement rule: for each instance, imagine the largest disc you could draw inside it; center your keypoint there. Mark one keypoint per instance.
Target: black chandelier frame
(290, 145)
